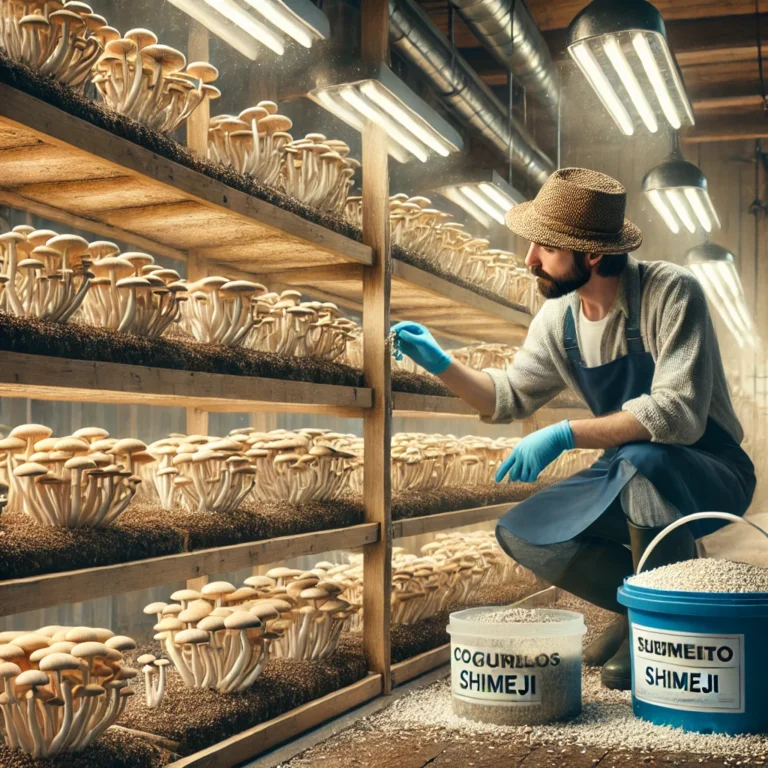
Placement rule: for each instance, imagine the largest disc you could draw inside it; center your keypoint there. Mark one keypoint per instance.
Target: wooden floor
(410, 750)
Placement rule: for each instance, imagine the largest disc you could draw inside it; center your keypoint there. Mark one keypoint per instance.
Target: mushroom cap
(218, 588)
(64, 16)
(169, 624)
(313, 593)
(243, 287)
(31, 432)
(120, 643)
(264, 611)
(72, 244)
(80, 462)
(100, 249)
(34, 20)
(202, 70)
(71, 445)
(193, 636)
(172, 610)
(146, 658)
(259, 581)
(92, 433)
(253, 113)
(31, 678)
(274, 124)
(155, 608)
(169, 59)
(89, 650)
(211, 624)
(128, 445)
(270, 106)
(196, 612)
(10, 652)
(12, 444)
(142, 37)
(242, 620)
(9, 669)
(58, 662)
(30, 469)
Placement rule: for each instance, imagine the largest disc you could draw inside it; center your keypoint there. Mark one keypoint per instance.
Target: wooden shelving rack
(64, 169)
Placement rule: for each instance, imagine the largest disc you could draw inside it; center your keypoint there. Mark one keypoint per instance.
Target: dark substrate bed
(43, 87)
(408, 640)
(85, 342)
(114, 749)
(198, 719)
(147, 530)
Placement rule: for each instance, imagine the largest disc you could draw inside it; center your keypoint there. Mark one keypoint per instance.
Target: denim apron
(713, 474)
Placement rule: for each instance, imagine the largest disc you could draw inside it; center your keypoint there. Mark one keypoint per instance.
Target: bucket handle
(687, 519)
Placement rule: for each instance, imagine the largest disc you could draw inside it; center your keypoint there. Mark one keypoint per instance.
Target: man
(636, 342)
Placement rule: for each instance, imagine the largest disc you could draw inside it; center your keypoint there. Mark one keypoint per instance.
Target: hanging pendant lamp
(714, 268)
(621, 47)
(678, 191)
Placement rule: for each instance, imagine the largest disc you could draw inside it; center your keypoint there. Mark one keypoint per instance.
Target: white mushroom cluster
(86, 479)
(152, 83)
(252, 142)
(43, 274)
(286, 325)
(318, 171)
(200, 473)
(63, 40)
(61, 687)
(130, 293)
(300, 466)
(154, 671)
(477, 356)
(419, 227)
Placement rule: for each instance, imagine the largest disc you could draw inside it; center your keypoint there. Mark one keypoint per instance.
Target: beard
(555, 287)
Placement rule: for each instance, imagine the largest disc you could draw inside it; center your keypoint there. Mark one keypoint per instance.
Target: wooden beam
(36, 592)
(731, 103)
(15, 200)
(198, 49)
(39, 377)
(310, 275)
(419, 665)
(728, 128)
(377, 422)
(415, 526)
(255, 741)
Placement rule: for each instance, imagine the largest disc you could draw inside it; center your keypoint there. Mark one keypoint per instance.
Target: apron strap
(634, 339)
(571, 340)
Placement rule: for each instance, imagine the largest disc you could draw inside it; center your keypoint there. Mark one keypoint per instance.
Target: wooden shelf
(68, 170)
(407, 404)
(448, 309)
(419, 665)
(415, 526)
(36, 592)
(255, 741)
(54, 378)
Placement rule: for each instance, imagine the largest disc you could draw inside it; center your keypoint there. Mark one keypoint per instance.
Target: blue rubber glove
(535, 452)
(415, 340)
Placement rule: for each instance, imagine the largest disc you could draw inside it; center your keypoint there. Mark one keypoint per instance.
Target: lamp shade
(714, 268)
(621, 48)
(486, 199)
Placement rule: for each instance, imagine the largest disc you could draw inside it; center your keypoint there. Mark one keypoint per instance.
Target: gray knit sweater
(689, 382)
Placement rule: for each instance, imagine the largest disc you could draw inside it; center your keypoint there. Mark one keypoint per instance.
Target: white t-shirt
(590, 338)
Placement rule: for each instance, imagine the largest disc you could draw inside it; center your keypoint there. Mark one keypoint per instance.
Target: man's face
(559, 270)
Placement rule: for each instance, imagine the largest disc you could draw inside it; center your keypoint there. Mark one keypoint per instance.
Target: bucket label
(688, 670)
(505, 679)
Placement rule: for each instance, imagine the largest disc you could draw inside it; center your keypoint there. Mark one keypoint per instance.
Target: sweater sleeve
(532, 379)
(677, 407)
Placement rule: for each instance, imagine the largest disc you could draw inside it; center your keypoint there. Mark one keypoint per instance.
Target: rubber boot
(677, 546)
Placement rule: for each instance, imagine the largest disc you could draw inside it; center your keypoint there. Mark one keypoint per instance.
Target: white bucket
(516, 674)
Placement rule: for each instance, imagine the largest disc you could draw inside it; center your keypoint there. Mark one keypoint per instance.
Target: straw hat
(578, 209)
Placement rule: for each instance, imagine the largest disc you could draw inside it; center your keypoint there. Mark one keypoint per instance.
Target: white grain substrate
(705, 576)
(517, 616)
(606, 721)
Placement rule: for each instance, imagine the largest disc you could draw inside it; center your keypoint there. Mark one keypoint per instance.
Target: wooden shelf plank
(407, 404)
(54, 378)
(60, 161)
(255, 741)
(35, 592)
(418, 665)
(415, 526)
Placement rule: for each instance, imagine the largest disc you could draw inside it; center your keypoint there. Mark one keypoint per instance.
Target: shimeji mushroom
(43, 274)
(252, 142)
(220, 311)
(62, 687)
(148, 81)
(63, 40)
(318, 171)
(129, 293)
(71, 481)
(215, 646)
(154, 671)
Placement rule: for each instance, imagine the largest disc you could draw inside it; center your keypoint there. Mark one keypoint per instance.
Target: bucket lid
(465, 623)
(707, 604)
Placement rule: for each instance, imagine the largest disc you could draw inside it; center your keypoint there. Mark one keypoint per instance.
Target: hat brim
(523, 220)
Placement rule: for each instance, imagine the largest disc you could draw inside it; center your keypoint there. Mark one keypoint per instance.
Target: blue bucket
(699, 658)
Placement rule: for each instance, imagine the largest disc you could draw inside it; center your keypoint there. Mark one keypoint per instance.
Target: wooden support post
(197, 122)
(377, 423)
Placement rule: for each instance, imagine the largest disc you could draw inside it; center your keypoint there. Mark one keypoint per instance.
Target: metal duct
(419, 41)
(507, 29)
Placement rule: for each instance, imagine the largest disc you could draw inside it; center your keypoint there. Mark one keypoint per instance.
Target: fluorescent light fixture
(272, 21)
(677, 189)
(714, 267)
(486, 200)
(622, 50)
(413, 127)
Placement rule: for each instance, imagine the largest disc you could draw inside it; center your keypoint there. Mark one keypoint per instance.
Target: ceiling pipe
(508, 31)
(464, 94)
